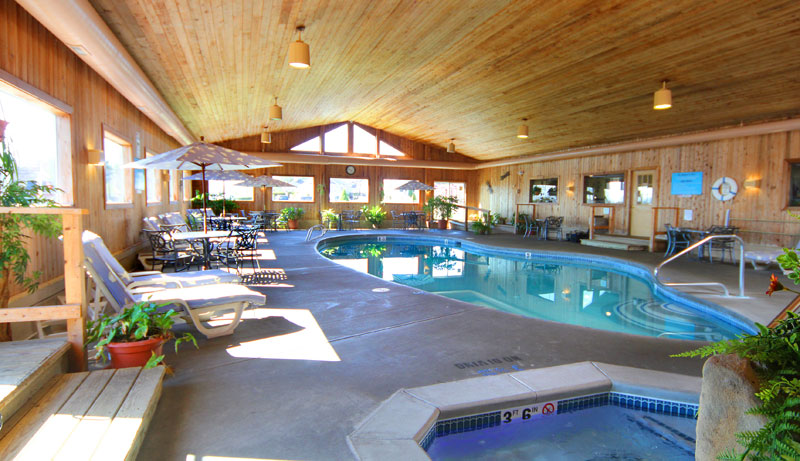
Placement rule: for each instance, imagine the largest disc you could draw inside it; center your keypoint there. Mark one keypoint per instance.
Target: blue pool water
(588, 293)
(606, 432)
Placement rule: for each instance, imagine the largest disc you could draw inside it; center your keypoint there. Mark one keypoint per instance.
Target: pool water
(586, 294)
(606, 432)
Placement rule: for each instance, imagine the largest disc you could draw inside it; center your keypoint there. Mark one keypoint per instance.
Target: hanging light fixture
(451, 148)
(299, 54)
(522, 131)
(275, 112)
(662, 99)
(266, 136)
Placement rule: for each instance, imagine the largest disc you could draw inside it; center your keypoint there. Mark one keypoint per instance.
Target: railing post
(74, 291)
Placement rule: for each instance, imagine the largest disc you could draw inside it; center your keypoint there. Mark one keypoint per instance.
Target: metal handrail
(323, 230)
(699, 243)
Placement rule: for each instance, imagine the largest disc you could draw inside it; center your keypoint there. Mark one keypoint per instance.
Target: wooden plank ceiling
(582, 72)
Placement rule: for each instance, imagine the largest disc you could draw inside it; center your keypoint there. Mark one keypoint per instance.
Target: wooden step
(25, 367)
(614, 245)
(629, 239)
(100, 415)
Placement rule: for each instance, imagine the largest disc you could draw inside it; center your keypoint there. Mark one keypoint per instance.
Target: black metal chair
(721, 244)
(166, 254)
(350, 219)
(241, 244)
(553, 224)
(676, 239)
(530, 226)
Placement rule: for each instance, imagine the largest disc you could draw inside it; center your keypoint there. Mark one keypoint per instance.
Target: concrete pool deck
(297, 377)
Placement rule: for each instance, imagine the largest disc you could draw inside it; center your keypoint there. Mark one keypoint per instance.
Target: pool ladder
(701, 243)
(323, 230)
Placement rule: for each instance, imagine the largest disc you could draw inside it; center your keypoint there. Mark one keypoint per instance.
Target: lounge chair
(154, 278)
(196, 304)
(762, 258)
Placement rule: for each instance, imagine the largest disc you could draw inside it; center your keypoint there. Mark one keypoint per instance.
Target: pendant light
(662, 99)
(299, 54)
(522, 131)
(275, 112)
(451, 148)
(266, 136)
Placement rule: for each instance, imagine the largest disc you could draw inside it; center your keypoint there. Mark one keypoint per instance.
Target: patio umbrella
(414, 185)
(264, 181)
(204, 155)
(220, 175)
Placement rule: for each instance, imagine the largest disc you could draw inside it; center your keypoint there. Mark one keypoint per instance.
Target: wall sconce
(571, 188)
(96, 157)
(752, 184)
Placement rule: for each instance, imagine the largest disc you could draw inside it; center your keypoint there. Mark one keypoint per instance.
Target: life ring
(724, 189)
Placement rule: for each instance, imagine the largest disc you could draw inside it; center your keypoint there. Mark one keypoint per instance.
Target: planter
(442, 223)
(291, 223)
(376, 226)
(136, 354)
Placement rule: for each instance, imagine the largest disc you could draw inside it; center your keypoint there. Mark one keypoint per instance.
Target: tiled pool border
(637, 270)
(405, 425)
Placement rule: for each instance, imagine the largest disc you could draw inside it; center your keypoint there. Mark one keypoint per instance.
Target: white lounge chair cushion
(207, 295)
(188, 279)
(763, 256)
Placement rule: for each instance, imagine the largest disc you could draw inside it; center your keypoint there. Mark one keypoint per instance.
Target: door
(453, 189)
(642, 208)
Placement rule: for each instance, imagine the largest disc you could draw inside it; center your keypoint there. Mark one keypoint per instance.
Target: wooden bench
(98, 415)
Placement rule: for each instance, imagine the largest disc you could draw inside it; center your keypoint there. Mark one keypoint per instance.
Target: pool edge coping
(397, 427)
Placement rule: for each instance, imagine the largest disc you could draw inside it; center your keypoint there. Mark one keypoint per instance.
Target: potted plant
(14, 228)
(374, 215)
(483, 225)
(290, 215)
(443, 207)
(135, 336)
(331, 217)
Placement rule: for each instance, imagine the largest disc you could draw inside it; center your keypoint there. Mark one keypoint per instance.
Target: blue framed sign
(689, 183)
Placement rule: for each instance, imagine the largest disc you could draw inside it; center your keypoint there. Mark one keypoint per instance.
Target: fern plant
(775, 354)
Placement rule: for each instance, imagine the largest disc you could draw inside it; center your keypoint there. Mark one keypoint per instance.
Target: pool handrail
(699, 243)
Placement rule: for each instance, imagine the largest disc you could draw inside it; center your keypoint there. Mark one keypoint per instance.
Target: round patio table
(205, 237)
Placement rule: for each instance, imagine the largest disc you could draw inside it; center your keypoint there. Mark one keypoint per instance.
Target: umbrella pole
(264, 190)
(205, 215)
(223, 198)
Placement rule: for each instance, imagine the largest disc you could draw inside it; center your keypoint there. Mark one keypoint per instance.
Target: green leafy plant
(138, 322)
(291, 212)
(15, 228)
(217, 205)
(441, 206)
(484, 224)
(374, 215)
(330, 216)
(775, 354)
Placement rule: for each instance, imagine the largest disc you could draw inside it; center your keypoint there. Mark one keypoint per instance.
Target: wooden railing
(792, 306)
(655, 230)
(466, 215)
(609, 227)
(74, 310)
(516, 215)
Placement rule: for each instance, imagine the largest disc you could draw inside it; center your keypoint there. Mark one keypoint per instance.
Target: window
(453, 189)
(303, 190)
(349, 190)
(38, 136)
(174, 186)
(794, 184)
(187, 186)
(230, 191)
(386, 149)
(608, 188)
(392, 195)
(336, 139)
(364, 142)
(312, 145)
(544, 190)
(119, 180)
(153, 184)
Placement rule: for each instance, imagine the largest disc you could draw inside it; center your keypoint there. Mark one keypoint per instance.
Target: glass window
(644, 189)
(312, 145)
(607, 188)
(349, 190)
(336, 139)
(453, 189)
(119, 180)
(544, 190)
(390, 151)
(229, 190)
(303, 190)
(174, 185)
(794, 184)
(187, 186)
(39, 139)
(153, 184)
(364, 142)
(392, 195)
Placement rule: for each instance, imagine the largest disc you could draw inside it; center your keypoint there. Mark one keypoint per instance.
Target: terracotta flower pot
(292, 223)
(442, 224)
(136, 354)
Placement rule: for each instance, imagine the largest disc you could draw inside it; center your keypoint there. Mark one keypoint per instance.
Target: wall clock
(350, 169)
(724, 189)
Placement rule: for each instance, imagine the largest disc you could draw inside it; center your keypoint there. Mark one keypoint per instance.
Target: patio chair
(397, 220)
(165, 252)
(762, 258)
(197, 304)
(242, 243)
(676, 239)
(553, 224)
(350, 219)
(153, 279)
(722, 244)
(530, 226)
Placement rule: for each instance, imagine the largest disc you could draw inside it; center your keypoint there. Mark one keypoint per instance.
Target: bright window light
(153, 184)
(392, 195)
(363, 141)
(336, 140)
(119, 180)
(303, 190)
(228, 189)
(453, 189)
(312, 145)
(390, 151)
(351, 190)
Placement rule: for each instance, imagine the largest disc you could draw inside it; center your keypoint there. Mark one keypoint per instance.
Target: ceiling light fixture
(451, 148)
(662, 99)
(299, 54)
(275, 112)
(522, 131)
(266, 136)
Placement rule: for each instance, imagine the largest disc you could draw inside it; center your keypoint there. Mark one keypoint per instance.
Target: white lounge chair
(197, 304)
(761, 259)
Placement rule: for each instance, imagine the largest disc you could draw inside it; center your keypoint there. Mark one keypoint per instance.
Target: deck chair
(195, 304)
(762, 258)
(154, 278)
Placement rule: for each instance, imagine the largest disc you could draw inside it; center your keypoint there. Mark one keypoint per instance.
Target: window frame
(383, 184)
(252, 189)
(458, 210)
(558, 190)
(624, 188)
(114, 136)
(313, 189)
(331, 200)
(159, 177)
(790, 162)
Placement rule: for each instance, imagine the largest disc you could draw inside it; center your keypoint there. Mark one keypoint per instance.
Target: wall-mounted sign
(688, 183)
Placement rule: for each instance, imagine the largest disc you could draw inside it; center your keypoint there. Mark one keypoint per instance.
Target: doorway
(642, 208)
